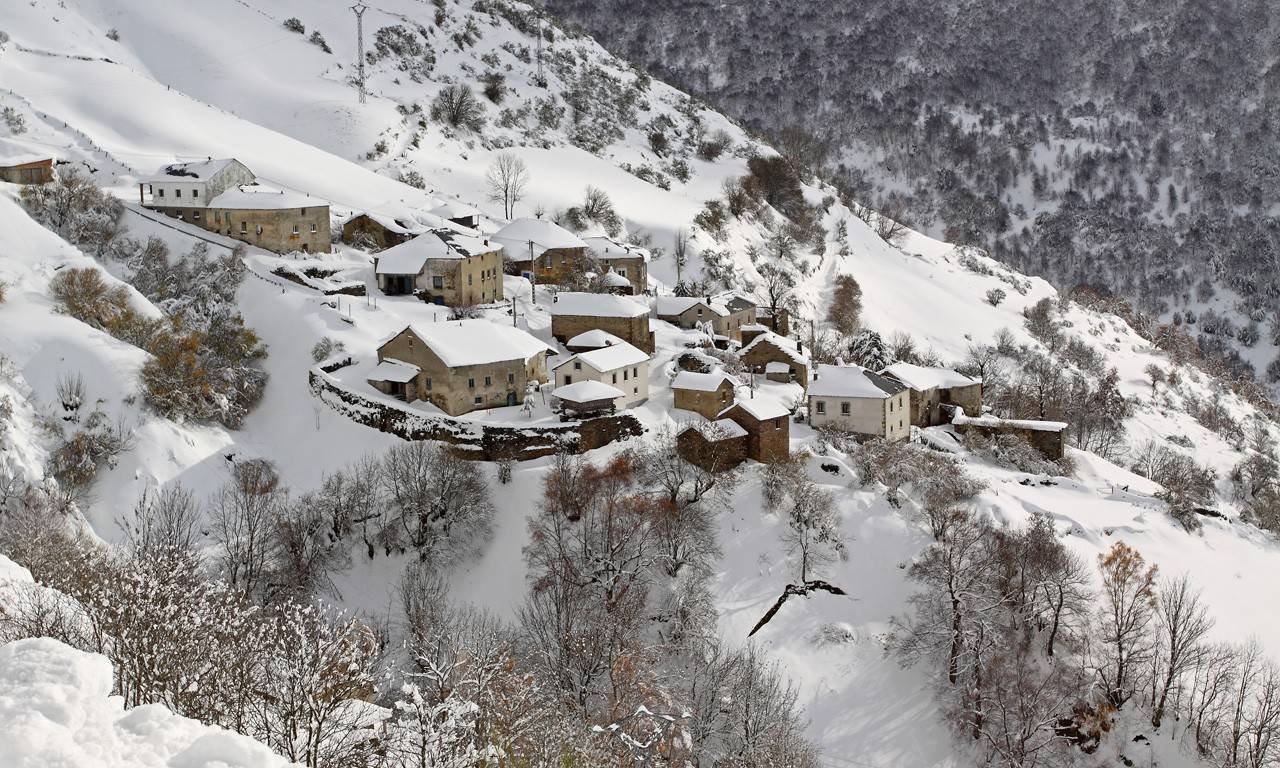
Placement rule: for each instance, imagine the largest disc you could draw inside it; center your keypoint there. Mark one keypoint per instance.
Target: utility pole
(358, 9)
(533, 271)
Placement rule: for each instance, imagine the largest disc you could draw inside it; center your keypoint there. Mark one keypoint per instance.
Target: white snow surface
(851, 381)
(596, 305)
(476, 342)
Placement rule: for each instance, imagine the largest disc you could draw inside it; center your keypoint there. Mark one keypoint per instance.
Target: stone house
(854, 399)
(444, 267)
(714, 446)
(26, 169)
(767, 422)
(629, 262)
(221, 196)
(1047, 437)
(621, 366)
(932, 387)
(706, 394)
(573, 314)
(460, 365)
(769, 347)
(543, 252)
(388, 224)
(727, 313)
(457, 213)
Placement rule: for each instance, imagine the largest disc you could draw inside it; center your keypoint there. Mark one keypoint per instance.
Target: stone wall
(1050, 444)
(481, 442)
(377, 234)
(463, 282)
(716, 456)
(707, 404)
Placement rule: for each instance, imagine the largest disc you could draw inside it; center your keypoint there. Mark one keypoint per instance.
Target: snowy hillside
(184, 80)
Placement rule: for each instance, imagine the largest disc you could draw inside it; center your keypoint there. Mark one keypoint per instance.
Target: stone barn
(573, 314)
(1047, 437)
(714, 446)
(627, 261)
(933, 387)
(769, 347)
(443, 267)
(543, 252)
(767, 422)
(706, 394)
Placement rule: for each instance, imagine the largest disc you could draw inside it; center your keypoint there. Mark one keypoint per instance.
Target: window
(471, 383)
(635, 390)
(295, 229)
(160, 192)
(195, 194)
(635, 372)
(699, 311)
(622, 271)
(844, 409)
(469, 279)
(615, 378)
(567, 380)
(577, 366)
(624, 375)
(428, 383)
(511, 378)
(822, 407)
(195, 215)
(244, 227)
(488, 381)
(177, 193)
(313, 229)
(479, 400)
(437, 282)
(226, 216)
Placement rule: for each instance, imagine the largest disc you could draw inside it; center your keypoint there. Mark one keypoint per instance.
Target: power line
(358, 9)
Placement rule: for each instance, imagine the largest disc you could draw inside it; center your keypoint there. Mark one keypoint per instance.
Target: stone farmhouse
(932, 387)
(780, 358)
(621, 366)
(706, 394)
(629, 263)
(727, 313)
(767, 422)
(573, 314)
(222, 196)
(26, 169)
(460, 365)
(443, 267)
(542, 251)
(713, 445)
(388, 224)
(857, 400)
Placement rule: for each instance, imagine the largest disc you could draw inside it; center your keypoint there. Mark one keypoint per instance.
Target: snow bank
(56, 709)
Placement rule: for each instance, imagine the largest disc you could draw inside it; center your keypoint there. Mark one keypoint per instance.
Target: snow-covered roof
(453, 209)
(544, 234)
(198, 170)
(927, 377)
(260, 197)
(754, 327)
(24, 158)
(596, 305)
(788, 347)
(612, 279)
(394, 370)
(777, 367)
(763, 406)
(715, 431)
(998, 423)
(666, 306)
(475, 342)
(605, 247)
(851, 381)
(401, 218)
(610, 358)
(587, 391)
(701, 382)
(594, 339)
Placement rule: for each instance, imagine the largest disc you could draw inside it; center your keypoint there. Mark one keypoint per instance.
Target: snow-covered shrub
(84, 294)
(495, 87)
(714, 145)
(995, 296)
(711, 219)
(4, 289)
(14, 119)
(76, 462)
(405, 47)
(325, 348)
(293, 24)
(596, 208)
(77, 209)
(318, 40)
(205, 375)
(1014, 452)
(458, 107)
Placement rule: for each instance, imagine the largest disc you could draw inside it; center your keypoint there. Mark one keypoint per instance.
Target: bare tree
(1127, 608)
(1183, 622)
(243, 513)
(163, 520)
(507, 179)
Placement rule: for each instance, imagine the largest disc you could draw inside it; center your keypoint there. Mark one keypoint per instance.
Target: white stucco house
(857, 400)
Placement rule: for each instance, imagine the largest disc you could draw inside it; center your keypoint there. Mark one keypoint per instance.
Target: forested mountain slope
(1130, 146)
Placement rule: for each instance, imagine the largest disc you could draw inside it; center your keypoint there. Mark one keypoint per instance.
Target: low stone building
(1047, 437)
(543, 252)
(751, 330)
(460, 365)
(706, 394)
(857, 400)
(221, 196)
(388, 224)
(715, 446)
(573, 314)
(26, 169)
(769, 347)
(630, 262)
(767, 422)
(622, 366)
(586, 399)
(932, 387)
(444, 267)
(726, 313)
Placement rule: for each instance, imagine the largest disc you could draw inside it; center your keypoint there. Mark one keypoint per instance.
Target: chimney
(800, 346)
(815, 374)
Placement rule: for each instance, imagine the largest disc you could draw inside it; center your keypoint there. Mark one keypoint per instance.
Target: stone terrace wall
(482, 442)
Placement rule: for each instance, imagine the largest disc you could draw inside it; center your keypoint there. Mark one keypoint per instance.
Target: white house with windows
(619, 365)
(194, 184)
(857, 400)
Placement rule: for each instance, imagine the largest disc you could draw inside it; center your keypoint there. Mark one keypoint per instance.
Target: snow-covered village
(424, 384)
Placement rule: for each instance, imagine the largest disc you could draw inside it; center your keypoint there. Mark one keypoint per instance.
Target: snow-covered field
(177, 85)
